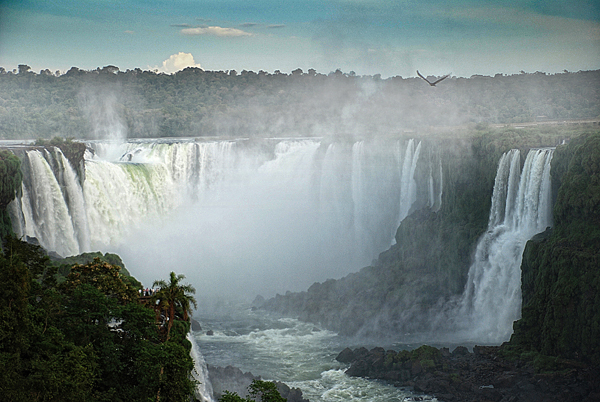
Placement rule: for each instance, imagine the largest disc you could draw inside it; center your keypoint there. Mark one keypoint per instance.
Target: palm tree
(174, 297)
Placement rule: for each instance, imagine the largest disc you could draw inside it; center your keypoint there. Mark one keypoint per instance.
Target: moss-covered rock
(64, 265)
(561, 269)
(74, 151)
(10, 183)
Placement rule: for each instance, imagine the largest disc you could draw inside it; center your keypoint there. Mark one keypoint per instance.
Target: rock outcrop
(233, 379)
(489, 373)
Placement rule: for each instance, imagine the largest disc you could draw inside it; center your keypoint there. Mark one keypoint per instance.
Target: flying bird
(435, 82)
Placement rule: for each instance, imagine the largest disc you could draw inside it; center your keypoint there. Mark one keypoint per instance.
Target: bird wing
(419, 74)
(443, 78)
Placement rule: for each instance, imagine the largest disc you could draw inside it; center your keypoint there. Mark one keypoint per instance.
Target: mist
(281, 182)
(268, 216)
(100, 107)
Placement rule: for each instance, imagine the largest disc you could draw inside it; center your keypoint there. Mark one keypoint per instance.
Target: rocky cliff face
(561, 267)
(430, 261)
(486, 374)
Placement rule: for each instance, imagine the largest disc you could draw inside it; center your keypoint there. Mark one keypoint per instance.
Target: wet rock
(230, 379)
(345, 356)
(460, 351)
(196, 325)
(484, 375)
(290, 394)
(233, 379)
(258, 302)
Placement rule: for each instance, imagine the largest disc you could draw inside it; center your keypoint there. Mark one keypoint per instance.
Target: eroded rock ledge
(489, 373)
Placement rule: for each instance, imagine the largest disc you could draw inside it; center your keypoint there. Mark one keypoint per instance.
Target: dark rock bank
(489, 373)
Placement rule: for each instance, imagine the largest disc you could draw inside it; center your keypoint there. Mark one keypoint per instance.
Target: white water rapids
(287, 350)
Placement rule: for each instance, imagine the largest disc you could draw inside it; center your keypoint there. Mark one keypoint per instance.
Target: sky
(368, 37)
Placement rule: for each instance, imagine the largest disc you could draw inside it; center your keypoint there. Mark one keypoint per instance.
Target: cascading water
(52, 204)
(521, 207)
(235, 216)
(408, 185)
(204, 391)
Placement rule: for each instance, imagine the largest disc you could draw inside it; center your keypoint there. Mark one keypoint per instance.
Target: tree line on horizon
(109, 103)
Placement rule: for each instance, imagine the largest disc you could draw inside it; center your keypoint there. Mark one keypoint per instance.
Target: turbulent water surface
(287, 350)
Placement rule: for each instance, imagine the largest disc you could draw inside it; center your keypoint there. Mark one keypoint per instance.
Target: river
(287, 350)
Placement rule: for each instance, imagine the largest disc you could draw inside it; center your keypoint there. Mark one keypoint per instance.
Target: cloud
(129, 32)
(248, 24)
(181, 25)
(215, 31)
(178, 62)
(276, 26)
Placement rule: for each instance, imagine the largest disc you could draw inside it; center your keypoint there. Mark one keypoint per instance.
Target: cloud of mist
(100, 105)
(273, 219)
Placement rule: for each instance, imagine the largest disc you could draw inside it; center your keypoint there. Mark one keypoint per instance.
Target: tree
(175, 298)
(87, 339)
(24, 68)
(259, 391)
(106, 278)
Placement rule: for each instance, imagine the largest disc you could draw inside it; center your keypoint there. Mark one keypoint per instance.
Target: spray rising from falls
(248, 216)
(521, 207)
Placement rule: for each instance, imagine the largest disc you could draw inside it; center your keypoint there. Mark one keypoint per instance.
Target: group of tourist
(147, 292)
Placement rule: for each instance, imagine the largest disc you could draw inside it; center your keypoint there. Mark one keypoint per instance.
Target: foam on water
(287, 350)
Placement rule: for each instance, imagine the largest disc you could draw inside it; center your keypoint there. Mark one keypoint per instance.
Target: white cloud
(178, 62)
(215, 31)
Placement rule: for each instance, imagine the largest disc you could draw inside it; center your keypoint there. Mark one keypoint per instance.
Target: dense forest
(76, 330)
(109, 103)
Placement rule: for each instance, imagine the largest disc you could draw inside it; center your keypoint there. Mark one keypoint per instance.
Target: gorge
(426, 217)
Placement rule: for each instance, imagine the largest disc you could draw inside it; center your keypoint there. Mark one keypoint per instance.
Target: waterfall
(204, 391)
(268, 215)
(358, 154)
(408, 185)
(521, 207)
(42, 210)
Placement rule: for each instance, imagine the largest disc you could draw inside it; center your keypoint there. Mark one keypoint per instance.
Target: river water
(287, 350)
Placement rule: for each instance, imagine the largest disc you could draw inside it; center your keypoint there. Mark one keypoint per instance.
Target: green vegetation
(561, 268)
(64, 265)
(10, 184)
(174, 298)
(87, 338)
(259, 391)
(193, 102)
